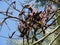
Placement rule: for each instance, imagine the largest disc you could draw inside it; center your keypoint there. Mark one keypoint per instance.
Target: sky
(12, 25)
(4, 31)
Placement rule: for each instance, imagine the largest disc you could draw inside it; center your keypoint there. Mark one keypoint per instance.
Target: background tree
(32, 25)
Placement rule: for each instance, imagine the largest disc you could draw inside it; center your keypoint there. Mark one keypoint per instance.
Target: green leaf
(37, 1)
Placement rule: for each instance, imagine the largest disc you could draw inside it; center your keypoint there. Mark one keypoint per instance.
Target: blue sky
(12, 24)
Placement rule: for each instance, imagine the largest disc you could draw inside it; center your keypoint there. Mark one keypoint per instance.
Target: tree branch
(43, 38)
(55, 2)
(54, 39)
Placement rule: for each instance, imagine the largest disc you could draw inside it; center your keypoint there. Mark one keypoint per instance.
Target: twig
(12, 7)
(12, 35)
(51, 17)
(7, 25)
(9, 7)
(8, 37)
(5, 12)
(50, 24)
(11, 17)
(54, 20)
(58, 3)
(43, 38)
(54, 39)
(4, 20)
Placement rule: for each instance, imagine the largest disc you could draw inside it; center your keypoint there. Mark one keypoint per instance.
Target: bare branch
(54, 20)
(7, 25)
(58, 3)
(51, 43)
(12, 7)
(9, 7)
(43, 38)
(7, 37)
(12, 35)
